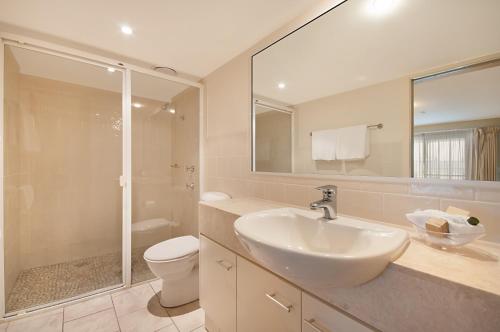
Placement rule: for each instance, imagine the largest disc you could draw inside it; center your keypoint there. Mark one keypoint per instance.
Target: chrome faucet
(328, 203)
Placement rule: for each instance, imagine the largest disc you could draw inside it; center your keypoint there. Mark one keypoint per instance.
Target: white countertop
(475, 265)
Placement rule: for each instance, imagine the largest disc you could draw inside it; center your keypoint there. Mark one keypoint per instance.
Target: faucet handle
(328, 191)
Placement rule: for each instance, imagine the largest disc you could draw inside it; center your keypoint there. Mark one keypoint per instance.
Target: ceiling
(355, 46)
(70, 71)
(472, 95)
(193, 37)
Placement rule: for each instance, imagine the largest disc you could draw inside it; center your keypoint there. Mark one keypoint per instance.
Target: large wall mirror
(396, 88)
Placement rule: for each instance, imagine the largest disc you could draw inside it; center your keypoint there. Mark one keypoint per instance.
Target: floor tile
(200, 329)
(188, 317)
(156, 284)
(149, 319)
(104, 321)
(91, 306)
(51, 321)
(132, 299)
(170, 328)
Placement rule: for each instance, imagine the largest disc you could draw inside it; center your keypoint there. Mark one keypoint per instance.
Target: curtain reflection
(463, 154)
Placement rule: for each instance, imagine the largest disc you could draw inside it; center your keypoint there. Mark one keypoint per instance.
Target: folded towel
(324, 144)
(353, 143)
(457, 223)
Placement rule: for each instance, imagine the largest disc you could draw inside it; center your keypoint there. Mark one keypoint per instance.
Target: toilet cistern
(328, 203)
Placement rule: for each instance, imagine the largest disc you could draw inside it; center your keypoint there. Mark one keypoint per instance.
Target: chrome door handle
(285, 307)
(226, 265)
(312, 323)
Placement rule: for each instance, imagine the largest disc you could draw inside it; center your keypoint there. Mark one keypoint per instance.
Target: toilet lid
(173, 249)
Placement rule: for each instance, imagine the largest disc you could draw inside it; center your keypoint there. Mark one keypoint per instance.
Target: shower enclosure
(99, 161)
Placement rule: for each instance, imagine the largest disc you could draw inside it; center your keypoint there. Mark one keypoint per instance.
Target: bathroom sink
(310, 251)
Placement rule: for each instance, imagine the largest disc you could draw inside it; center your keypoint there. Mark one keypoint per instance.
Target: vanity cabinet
(238, 295)
(217, 286)
(265, 302)
(319, 317)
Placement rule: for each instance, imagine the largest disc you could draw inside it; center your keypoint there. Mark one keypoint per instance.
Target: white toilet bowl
(175, 261)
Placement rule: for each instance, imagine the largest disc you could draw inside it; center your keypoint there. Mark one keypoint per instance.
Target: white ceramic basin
(305, 249)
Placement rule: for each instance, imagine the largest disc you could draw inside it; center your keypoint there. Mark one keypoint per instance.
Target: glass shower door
(164, 165)
(62, 164)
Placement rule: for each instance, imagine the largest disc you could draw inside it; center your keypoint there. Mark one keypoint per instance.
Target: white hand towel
(324, 144)
(353, 143)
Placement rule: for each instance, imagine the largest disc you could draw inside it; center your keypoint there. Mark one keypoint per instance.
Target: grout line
(198, 327)
(71, 320)
(116, 314)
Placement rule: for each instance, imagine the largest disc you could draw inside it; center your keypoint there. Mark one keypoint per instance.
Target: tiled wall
(185, 153)
(227, 160)
(159, 140)
(71, 160)
(151, 172)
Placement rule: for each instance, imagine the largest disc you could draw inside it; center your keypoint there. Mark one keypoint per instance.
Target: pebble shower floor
(51, 283)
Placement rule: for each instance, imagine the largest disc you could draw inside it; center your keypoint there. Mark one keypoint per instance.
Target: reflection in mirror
(457, 124)
(273, 137)
(354, 67)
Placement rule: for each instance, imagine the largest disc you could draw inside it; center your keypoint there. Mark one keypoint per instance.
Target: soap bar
(437, 225)
(455, 210)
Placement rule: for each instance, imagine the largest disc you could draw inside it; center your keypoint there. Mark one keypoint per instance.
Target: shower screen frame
(13, 40)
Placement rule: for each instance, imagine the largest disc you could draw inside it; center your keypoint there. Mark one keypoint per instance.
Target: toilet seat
(173, 249)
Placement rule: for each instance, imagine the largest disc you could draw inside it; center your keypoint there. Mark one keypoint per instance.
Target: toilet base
(175, 293)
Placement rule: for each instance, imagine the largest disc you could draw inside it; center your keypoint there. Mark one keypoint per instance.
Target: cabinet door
(266, 303)
(217, 286)
(319, 317)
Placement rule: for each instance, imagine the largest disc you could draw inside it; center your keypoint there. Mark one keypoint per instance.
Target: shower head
(165, 106)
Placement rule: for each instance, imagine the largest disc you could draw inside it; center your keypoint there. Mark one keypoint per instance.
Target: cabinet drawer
(266, 303)
(217, 286)
(319, 317)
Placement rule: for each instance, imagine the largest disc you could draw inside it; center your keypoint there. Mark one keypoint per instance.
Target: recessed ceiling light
(281, 85)
(172, 110)
(111, 69)
(381, 7)
(137, 105)
(126, 30)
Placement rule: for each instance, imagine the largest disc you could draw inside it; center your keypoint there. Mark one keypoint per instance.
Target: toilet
(175, 262)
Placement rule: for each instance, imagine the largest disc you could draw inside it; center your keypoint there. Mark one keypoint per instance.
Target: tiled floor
(46, 284)
(135, 309)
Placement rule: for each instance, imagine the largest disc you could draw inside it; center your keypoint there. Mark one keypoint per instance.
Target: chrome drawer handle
(226, 265)
(315, 326)
(272, 297)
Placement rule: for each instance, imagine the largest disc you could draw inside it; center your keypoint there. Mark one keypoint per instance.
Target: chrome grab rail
(285, 307)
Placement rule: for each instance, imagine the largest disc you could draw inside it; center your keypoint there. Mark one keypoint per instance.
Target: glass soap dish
(447, 240)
